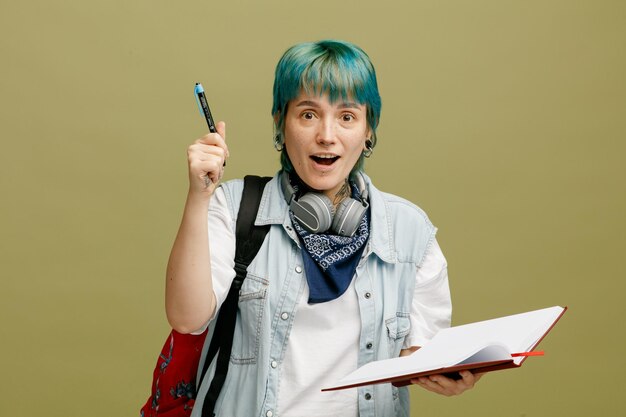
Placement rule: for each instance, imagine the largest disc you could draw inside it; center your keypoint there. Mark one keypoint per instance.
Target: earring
(368, 148)
(278, 143)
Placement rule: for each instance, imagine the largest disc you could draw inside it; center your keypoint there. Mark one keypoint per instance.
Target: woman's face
(324, 140)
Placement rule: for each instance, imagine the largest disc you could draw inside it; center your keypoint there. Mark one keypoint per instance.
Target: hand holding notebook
(484, 346)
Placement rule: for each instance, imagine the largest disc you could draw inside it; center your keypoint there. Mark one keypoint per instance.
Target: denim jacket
(400, 234)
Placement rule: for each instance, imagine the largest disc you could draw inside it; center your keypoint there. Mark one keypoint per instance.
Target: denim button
(284, 316)
(368, 396)
(368, 295)
(298, 269)
(369, 346)
(269, 413)
(274, 364)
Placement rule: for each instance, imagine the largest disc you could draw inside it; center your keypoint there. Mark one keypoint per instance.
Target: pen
(203, 105)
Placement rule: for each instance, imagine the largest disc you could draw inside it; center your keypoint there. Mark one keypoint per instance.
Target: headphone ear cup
(314, 211)
(349, 214)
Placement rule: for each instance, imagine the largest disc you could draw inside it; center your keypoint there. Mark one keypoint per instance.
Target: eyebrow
(343, 105)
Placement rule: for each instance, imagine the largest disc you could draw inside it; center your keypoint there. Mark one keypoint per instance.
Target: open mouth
(325, 160)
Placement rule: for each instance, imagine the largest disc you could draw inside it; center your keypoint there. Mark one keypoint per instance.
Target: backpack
(173, 390)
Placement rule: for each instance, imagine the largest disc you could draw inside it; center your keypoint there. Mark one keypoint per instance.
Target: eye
(347, 117)
(308, 115)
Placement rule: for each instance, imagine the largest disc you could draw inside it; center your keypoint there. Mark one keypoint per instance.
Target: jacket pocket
(397, 329)
(252, 298)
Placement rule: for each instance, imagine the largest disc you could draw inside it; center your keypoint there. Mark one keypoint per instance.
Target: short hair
(338, 68)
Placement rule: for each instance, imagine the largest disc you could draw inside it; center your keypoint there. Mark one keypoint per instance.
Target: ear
(368, 139)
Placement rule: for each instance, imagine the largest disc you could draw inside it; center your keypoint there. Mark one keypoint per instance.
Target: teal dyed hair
(340, 69)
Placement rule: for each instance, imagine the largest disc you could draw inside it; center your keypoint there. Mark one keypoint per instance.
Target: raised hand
(206, 158)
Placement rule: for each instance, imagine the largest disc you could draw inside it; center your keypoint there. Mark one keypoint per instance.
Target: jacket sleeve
(431, 308)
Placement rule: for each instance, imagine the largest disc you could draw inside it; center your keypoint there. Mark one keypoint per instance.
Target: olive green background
(504, 120)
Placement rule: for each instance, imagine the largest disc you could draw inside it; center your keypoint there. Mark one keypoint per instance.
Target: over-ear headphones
(316, 213)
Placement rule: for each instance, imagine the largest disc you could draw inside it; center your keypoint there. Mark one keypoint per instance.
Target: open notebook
(482, 347)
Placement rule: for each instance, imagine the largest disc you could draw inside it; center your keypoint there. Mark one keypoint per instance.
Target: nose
(326, 134)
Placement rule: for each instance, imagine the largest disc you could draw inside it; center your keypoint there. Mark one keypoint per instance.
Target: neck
(343, 193)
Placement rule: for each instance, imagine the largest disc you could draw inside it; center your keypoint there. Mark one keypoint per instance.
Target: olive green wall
(504, 120)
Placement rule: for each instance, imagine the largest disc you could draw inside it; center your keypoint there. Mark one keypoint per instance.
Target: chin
(324, 182)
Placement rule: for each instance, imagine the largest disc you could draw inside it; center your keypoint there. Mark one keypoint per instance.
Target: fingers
(477, 376)
(214, 140)
(204, 152)
(439, 384)
(206, 158)
(201, 168)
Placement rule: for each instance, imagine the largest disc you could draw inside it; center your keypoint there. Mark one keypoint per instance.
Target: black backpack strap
(249, 239)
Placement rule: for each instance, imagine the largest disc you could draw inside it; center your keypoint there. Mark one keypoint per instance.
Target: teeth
(326, 156)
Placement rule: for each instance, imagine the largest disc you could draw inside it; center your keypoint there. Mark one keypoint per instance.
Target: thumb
(221, 129)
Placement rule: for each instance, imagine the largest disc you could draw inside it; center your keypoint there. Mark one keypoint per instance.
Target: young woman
(360, 279)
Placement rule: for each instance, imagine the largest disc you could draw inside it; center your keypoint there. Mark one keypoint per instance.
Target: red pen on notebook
(533, 353)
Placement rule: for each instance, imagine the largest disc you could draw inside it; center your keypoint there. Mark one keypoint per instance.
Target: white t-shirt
(323, 345)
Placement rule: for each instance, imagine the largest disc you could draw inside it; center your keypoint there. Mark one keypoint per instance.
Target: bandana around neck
(331, 260)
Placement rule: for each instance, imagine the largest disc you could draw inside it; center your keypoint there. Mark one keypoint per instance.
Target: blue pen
(203, 105)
